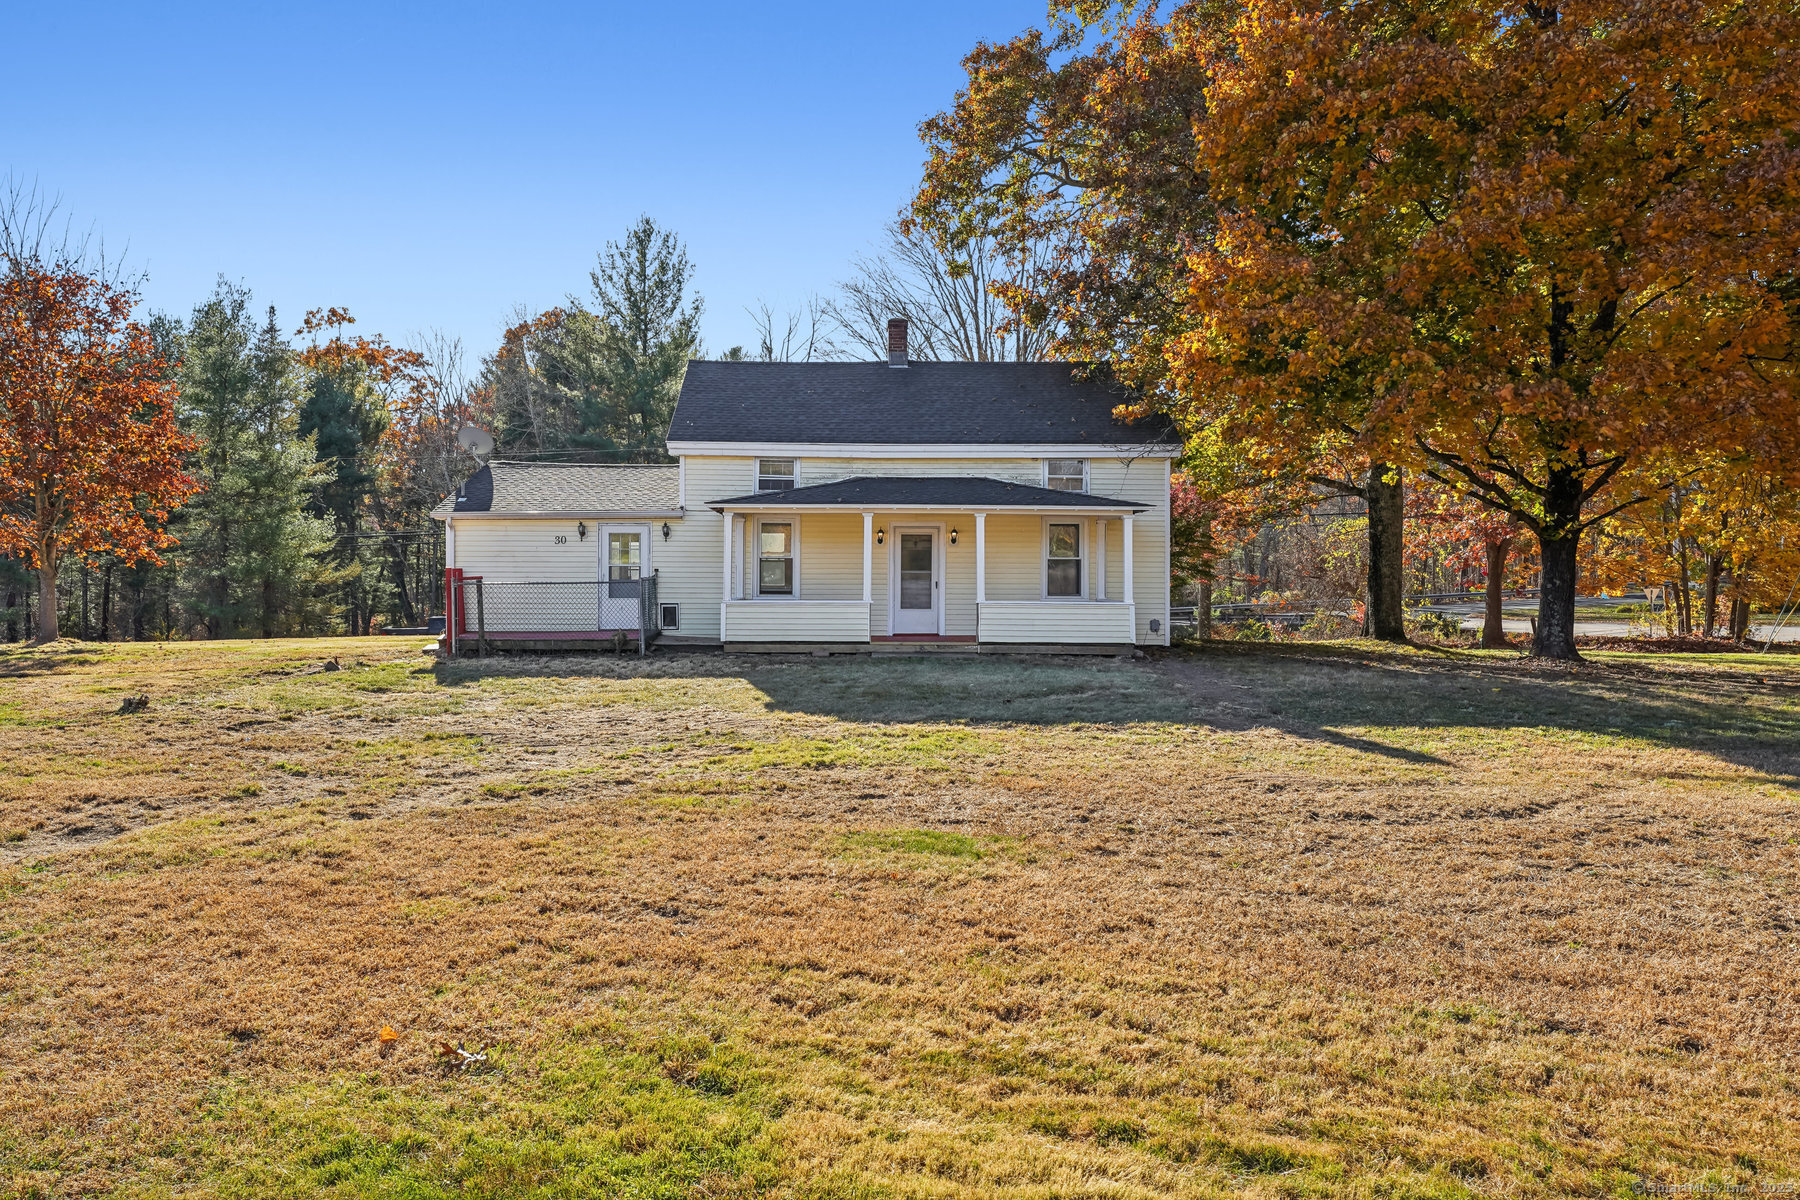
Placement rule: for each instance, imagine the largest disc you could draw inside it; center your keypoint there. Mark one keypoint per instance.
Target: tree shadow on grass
(1742, 712)
(1339, 694)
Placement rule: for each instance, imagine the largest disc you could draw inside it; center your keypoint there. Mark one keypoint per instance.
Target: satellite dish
(476, 440)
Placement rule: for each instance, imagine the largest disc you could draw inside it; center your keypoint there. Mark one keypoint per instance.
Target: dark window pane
(915, 589)
(915, 552)
(777, 576)
(1065, 577)
(1065, 541)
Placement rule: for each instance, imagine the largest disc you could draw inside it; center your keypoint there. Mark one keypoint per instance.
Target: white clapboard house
(892, 507)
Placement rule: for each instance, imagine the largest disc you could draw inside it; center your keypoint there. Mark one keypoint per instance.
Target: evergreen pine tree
(252, 557)
(637, 341)
(285, 548)
(216, 376)
(344, 415)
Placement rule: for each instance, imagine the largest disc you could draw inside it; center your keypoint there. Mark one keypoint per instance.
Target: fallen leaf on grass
(459, 1058)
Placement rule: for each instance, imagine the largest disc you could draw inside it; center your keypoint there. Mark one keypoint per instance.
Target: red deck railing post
(453, 607)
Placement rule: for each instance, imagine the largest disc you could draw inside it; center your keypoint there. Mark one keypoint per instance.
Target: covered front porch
(904, 563)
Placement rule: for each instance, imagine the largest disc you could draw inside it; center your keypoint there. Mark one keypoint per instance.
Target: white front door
(622, 568)
(918, 590)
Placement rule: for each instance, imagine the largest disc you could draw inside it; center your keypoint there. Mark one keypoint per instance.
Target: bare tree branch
(950, 303)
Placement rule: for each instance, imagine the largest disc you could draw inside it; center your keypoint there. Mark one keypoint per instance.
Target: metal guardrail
(490, 611)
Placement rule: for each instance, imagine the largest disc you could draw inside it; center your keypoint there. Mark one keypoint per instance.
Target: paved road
(1472, 616)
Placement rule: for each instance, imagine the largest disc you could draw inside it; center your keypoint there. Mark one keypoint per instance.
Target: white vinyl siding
(1016, 470)
(831, 548)
(800, 621)
(525, 549)
(1050, 621)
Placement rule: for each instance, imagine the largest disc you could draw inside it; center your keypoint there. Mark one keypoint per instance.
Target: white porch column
(1099, 558)
(1125, 559)
(725, 536)
(981, 558)
(868, 557)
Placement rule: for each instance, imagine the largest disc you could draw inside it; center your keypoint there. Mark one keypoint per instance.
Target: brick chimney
(896, 341)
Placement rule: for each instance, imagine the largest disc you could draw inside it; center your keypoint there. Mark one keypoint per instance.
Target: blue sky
(435, 166)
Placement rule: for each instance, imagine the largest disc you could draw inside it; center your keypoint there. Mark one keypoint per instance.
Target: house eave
(923, 450)
(1085, 510)
(571, 514)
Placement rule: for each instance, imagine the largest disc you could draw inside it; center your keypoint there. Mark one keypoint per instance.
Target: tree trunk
(397, 563)
(47, 627)
(84, 602)
(1385, 494)
(106, 602)
(1710, 610)
(1555, 635)
(268, 608)
(1686, 610)
(1559, 537)
(1493, 628)
(1740, 620)
(1203, 610)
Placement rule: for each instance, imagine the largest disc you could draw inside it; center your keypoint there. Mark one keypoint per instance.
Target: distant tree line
(280, 481)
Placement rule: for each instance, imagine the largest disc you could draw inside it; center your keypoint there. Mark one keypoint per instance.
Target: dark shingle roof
(929, 491)
(925, 403)
(517, 487)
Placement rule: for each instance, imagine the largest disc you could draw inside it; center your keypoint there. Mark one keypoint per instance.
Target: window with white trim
(775, 558)
(775, 474)
(1062, 560)
(1066, 474)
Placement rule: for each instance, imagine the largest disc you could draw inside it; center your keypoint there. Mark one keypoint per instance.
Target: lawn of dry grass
(1292, 921)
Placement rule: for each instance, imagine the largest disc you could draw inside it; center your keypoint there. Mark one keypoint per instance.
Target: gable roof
(924, 403)
(566, 489)
(961, 492)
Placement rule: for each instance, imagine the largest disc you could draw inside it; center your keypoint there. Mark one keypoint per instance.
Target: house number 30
(562, 539)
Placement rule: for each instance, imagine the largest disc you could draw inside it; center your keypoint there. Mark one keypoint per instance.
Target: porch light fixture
(881, 537)
(666, 531)
(581, 531)
(953, 535)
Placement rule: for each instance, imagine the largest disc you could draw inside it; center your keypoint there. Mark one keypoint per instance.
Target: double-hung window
(1066, 474)
(774, 474)
(775, 558)
(1062, 560)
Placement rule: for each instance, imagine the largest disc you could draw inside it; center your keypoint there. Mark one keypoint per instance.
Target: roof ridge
(514, 462)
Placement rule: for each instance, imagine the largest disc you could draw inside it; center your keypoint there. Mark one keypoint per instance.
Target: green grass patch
(679, 1117)
(922, 843)
(914, 746)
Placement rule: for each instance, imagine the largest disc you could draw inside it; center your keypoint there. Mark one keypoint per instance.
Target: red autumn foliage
(90, 456)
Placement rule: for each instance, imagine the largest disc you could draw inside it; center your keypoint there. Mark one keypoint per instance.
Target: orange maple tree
(1542, 243)
(90, 456)
(1526, 247)
(1468, 537)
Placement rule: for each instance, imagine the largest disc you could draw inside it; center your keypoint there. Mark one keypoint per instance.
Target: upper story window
(1066, 474)
(774, 474)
